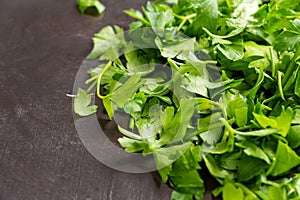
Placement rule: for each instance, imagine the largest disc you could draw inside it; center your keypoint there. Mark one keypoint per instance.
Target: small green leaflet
(250, 167)
(253, 150)
(106, 38)
(286, 159)
(231, 192)
(121, 94)
(294, 137)
(181, 196)
(82, 102)
(83, 5)
(282, 122)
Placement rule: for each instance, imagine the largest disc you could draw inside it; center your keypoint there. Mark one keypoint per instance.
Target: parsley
(81, 103)
(211, 82)
(87, 6)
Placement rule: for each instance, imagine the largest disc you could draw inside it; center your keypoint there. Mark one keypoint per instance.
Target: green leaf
(244, 10)
(250, 167)
(264, 121)
(148, 131)
(234, 104)
(132, 145)
(215, 169)
(286, 159)
(82, 102)
(294, 136)
(183, 117)
(185, 179)
(111, 54)
(253, 49)
(197, 85)
(230, 161)
(184, 176)
(231, 48)
(164, 173)
(123, 93)
(230, 192)
(296, 119)
(260, 63)
(290, 4)
(167, 155)
(289, 38)
(83, 5)
(129, 134)
(276, 193)
(207, 16)
(159, 20)
(181, 196)
(109, 107)
(253, 150)
(137, 62)
(180, 49)
(164, 158)
(284, 121)
(106, 38)
(167, 116)
(175, 127)
(232, 51)
(277, 21)
(241, 115)
(297, 84)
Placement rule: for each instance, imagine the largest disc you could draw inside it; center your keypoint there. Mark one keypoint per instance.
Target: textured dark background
(42, 44)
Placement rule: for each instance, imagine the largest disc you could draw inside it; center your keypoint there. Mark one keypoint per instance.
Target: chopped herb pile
(227, 96)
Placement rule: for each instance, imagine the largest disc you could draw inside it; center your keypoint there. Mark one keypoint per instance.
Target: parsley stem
(91, 87)
(252, 92)
(138, 17)
(185, 17)
(296, 16)
(145, 21)
(209, 62)
(181, 24)
(271, 183)
(107, 66)
(251, 126)
(173, 64)
(270, 99)
(91, 79)
(272, 61)
(291, 81)
(265, 107)
(291, 65)
(280, 74)
(190, 16)
(259, 133)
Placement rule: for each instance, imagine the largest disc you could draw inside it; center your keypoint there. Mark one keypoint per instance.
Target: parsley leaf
(83, 5)
(82, 102)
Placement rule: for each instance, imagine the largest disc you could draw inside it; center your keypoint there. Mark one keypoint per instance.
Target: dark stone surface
(42, 44)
